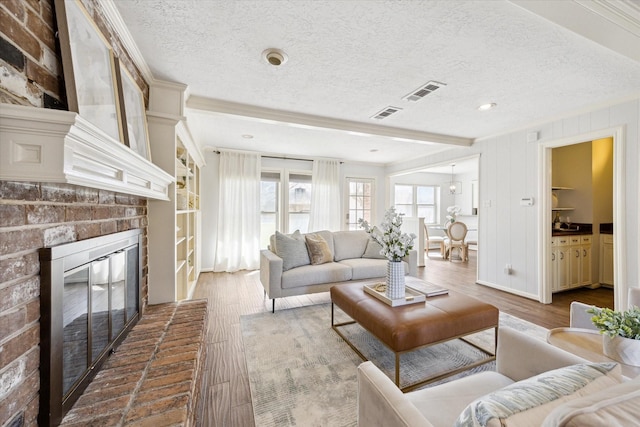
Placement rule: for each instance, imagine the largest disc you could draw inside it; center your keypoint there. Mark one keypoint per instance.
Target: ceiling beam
(268, 115)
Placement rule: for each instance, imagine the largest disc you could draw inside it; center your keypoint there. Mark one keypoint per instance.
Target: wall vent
(424, 90)
(386, 113)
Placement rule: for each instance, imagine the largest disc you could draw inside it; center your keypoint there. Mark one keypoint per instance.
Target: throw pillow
(529, 401)
(373, 250)
(319, 251)
(292, 250)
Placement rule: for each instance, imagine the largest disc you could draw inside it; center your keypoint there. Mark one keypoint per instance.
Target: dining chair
(579, 318)
(438, 240)
(457, 232)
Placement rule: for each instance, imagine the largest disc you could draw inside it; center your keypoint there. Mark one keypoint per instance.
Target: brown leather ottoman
(409, 327)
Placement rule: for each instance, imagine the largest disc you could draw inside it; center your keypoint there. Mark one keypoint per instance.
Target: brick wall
(34, 215)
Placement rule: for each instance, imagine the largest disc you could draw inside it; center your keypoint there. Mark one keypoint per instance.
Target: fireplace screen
(90, 299)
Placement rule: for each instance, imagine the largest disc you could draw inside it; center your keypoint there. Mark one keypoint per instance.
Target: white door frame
(619, 209)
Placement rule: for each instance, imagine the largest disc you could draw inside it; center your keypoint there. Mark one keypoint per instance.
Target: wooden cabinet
(174, 241)
(557, 202)
(570, 262)
(606, 259)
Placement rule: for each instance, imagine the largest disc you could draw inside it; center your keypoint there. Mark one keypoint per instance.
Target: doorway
(547, 211)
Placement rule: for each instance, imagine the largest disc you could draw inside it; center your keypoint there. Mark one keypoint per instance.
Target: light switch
(486, 203)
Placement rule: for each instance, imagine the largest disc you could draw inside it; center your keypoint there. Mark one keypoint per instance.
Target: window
(360, 194)
(299, 202)
(269, 206)
(285, 211)
(418, 201)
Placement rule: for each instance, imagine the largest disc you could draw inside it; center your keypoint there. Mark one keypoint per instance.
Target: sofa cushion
(442, 404)
(373, 250)
(292, 250)
(529, 401)
(349, 244)
(365, 268)
(618, 405)
(318, 248)
(315, 275)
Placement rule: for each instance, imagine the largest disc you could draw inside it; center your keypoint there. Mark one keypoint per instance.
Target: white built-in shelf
(180, 240)
(561, 188)
(181, 263)
(562, 209)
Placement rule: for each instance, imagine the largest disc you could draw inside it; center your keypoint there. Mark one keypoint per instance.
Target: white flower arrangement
(395, 245)
(453, 212)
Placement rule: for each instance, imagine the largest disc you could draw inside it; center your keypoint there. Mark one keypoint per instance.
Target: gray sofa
(287, 269)
(533, 385)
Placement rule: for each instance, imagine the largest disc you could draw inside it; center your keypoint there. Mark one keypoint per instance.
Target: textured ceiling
(350, 59)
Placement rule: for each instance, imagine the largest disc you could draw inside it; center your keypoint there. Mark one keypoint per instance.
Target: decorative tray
(411, 296)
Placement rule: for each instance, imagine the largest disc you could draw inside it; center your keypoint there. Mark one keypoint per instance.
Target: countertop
(576, 230)
(606, 228)
(571, 232)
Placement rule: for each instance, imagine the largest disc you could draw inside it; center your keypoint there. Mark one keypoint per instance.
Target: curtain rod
(282, 158)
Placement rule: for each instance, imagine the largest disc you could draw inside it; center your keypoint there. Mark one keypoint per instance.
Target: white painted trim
(113, 17)
(183, 132)
(506, 289)
(268, 115)
(44, 145)
(619, 208)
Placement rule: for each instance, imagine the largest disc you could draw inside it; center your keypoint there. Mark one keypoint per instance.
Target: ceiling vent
(424, 90)
(386, 113)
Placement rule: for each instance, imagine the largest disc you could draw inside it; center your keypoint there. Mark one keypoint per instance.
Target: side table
(586, 343)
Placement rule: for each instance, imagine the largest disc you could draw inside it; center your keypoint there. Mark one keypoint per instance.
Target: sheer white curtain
(238, 243)
(325, 196)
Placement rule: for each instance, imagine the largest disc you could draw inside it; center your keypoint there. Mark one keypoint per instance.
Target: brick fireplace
(32, 216)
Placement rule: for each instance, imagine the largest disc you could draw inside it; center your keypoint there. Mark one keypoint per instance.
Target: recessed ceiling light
(275, 57)
(247, 136)
(485, 107)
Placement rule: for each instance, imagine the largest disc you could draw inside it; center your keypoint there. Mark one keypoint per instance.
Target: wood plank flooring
(226, 384)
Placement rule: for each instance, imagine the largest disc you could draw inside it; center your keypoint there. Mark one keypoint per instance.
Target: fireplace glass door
(90, 299)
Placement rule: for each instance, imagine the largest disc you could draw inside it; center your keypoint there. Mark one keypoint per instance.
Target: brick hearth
(154, 377)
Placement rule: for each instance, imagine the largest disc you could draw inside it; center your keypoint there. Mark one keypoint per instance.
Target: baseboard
(206, 270)
(509, 290)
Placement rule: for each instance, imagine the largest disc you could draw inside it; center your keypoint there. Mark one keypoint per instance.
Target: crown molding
(612, 24)
(268, 115)
(113, 17)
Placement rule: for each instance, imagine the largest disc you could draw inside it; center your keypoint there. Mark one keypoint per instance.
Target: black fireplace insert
(90, 298)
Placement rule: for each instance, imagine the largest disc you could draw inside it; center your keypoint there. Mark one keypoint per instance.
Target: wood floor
(226, 384)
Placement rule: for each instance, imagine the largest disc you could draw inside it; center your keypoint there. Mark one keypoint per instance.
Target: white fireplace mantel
(44, 145)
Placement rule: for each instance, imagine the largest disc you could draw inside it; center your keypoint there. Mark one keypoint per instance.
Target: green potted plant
(621, 333)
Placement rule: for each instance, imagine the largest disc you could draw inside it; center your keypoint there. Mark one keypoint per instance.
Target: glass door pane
(75, 300)
(132, 286)
(360, 201)
(99, 307)
(117, 293)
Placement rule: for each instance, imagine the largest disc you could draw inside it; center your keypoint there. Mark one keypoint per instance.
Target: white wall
(510, 169)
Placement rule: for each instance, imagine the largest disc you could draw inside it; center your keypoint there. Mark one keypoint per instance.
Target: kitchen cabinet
(570, 262)
(585, 261)
(556, 199)
(606, 259)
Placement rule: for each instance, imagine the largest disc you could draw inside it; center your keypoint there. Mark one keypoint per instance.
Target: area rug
(301, 373)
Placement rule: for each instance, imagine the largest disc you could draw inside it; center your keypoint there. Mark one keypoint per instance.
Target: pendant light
(452, 184)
